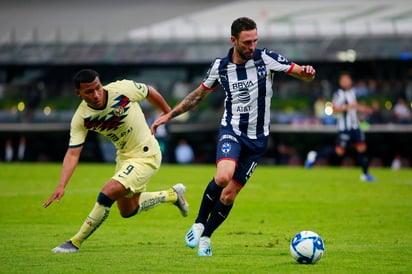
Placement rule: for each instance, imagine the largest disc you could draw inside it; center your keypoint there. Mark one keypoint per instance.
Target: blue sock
(217, 217)
(210, 196)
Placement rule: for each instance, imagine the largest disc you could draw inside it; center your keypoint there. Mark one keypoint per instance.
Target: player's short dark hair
(241, 24)
(84, 76)
(345, 73)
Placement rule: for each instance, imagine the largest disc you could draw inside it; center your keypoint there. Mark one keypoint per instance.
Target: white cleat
(181, 202)
(66, 247)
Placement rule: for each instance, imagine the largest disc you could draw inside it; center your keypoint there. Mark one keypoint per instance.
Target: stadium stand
(97, 31)
(45, 41)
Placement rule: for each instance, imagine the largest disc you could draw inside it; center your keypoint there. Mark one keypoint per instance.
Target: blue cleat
(367, 178)
(204, 247)
(310, 159)
(193, 235)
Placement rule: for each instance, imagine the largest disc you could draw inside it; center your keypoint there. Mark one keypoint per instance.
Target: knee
(223, 180)
(129, 213)
(361, 148)
(125, 214)
(340, 151)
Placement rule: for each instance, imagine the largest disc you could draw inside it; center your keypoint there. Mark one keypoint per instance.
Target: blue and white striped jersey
(248, 90)
(346, 120)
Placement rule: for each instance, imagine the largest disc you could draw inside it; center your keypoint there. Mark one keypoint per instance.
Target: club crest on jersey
(118, 111)
(226, 147)
(120, 105)
(261, 71)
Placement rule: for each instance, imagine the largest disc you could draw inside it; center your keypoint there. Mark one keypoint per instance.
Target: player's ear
(77, 92)
(232, 39)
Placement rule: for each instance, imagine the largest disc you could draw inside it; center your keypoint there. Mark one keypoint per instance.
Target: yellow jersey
(122, 120)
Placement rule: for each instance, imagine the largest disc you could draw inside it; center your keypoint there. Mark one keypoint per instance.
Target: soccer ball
(307, 247)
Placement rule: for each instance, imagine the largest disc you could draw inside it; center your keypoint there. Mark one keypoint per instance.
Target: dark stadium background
(42, 43)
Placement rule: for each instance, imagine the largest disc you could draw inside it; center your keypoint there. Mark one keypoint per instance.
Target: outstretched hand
(56, 196)
(308, 72)
(160, 121)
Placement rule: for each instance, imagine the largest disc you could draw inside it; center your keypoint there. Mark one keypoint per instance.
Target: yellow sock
(149, 200)
(96, 217)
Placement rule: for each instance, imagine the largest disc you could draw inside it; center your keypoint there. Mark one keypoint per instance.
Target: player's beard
(243, 55)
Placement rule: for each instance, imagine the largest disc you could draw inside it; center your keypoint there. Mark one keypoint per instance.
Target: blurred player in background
(113, 111)
(346, 107)
(246, 74)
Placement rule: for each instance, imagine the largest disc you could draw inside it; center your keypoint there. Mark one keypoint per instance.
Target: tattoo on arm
(191, 100)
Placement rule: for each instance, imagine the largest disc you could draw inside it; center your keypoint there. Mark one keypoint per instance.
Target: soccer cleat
(66, 247)
(310, 159)
(193, 235)
(367, 178)
(181, 202)
(204, 247)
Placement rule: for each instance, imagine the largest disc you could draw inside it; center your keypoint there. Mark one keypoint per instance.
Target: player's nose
(96, 94)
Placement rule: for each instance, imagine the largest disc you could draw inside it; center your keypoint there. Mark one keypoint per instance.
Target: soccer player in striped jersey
(113, 111)
(349, 133)
(246, 75)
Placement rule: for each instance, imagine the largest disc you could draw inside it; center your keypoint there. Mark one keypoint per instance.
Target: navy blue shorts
(353, 136)
(243, 150)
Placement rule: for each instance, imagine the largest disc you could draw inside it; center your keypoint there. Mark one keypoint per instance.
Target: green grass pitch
(366, 227)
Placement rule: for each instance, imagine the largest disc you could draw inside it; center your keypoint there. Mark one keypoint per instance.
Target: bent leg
(130, 206)
(134, 174)
(224, 173)
(210, 196)
(111, 191)
(222, 208)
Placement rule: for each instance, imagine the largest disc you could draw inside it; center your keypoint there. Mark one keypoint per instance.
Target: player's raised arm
(306, 73)
(69, 164)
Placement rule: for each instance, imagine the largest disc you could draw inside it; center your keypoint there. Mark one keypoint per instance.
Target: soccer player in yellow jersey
(113, 111)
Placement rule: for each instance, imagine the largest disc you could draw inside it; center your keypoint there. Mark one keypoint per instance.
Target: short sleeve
(78, 132)
(211, 79)
(275, 61)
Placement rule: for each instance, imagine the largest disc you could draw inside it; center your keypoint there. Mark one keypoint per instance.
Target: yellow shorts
(135, 173)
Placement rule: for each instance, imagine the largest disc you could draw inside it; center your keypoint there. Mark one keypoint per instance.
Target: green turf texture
(366, 227)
